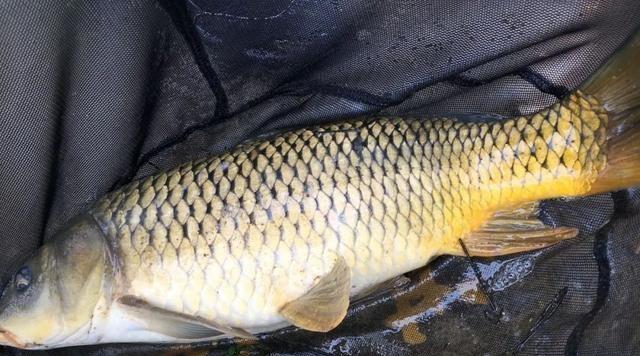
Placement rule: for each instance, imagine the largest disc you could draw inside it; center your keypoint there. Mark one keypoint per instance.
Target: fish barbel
(289, 229)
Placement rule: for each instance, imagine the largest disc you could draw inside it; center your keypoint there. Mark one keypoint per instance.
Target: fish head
(51, 299)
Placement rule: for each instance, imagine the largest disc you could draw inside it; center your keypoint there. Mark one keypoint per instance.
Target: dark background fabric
(94, 94)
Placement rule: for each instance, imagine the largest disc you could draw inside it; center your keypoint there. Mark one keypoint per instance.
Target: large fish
(287, 230)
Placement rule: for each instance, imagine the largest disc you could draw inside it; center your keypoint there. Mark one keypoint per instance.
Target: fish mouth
(10, 339)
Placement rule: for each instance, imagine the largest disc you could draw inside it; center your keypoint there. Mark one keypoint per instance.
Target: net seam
(179, 15)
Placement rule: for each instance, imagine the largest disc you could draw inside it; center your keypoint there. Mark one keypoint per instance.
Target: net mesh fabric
(93, 95)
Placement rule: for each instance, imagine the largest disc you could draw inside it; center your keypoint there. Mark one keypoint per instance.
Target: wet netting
(94, 94)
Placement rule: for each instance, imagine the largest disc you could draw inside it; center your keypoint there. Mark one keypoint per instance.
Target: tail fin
(617, 86)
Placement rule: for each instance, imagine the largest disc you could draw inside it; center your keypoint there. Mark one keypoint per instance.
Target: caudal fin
(617, 86)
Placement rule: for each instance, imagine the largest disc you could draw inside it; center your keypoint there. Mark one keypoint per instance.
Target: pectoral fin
(324, 306)
(174, 324)
(515, 230)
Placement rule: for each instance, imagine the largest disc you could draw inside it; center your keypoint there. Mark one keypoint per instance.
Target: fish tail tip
(617, 83)
(617, 86)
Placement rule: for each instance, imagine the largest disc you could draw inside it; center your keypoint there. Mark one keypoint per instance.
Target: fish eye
(23, 279)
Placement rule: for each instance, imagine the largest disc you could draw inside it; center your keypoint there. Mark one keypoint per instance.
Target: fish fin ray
(616, 83)
(623, 162)
(175, 324)
(515, 230)
(325, 305)
(528, 210)
(617, 86)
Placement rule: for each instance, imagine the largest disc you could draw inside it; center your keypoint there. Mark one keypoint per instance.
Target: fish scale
(234, 237)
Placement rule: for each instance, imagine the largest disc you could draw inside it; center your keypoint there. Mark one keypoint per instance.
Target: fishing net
(94, 94)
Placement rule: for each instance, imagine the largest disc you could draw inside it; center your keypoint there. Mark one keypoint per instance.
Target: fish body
(233, 238)
(288, 229)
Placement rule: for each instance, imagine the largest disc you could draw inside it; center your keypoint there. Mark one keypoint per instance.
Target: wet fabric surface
(93, 95)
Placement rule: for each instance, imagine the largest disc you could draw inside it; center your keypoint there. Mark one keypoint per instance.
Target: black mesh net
(94, 94)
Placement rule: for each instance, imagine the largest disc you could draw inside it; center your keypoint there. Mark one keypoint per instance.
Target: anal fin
(515, 230)
(324, 306)
(174, 324)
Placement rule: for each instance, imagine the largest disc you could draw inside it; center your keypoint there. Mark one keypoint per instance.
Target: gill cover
(80, 254)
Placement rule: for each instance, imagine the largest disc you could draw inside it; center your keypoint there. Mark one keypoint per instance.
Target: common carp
(288, 230)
